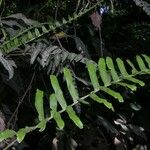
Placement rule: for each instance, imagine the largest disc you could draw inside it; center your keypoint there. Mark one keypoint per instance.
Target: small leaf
(101, 100)
(92, 73)
(64, 21)
(121, 67)
(141, 83)
(21, 134)
(147, 59)
(59, 121)
(110, 65)
(44, 29)
(57, 24)
(141, 63)
(70, 85)
(74, 117)
(58, 92)
(37, 32)
(112, 93)
(132, 87)
(53, 102)
(103, 72)
(39, 104)
(6, 134)
(30, 36)
(134, 70)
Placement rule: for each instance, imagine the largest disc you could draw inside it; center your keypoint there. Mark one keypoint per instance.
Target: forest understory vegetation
(75, 75)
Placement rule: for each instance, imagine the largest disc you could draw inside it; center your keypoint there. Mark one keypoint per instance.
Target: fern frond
(102, 76)
(34, 32)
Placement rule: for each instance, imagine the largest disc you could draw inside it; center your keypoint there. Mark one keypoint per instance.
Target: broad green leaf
(110, 65)
(74, 117)
(121, 67)
(58, 92)
(101, 100)
(21, 134)
(70, 85)
(6, 134)
(112, 93)
(103, 72)
(59, 121)
(132, 87)
(39, 104)
(136, 81)
(134, 70)
(92, 73)
(141, 63)
(147, 59)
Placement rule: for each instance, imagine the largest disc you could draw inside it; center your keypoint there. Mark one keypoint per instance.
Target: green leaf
(44, 29)
(101, 100)
(141, 63)
(112, 93)
(147, 59)
(70, 85)
(132, 87)
(57, 24)
(21, 134)
(39, 104)
(37, 32)
(51, 27)
(74, 117)
(58, 92)
(53, 102)
(30, 36)
(137, 81)
(134, 70)
(6, 134)
(103, 72)
(64, 21)
(58, 119)
(110, 65)
(121, 67)
(16, 42)
(92, 73)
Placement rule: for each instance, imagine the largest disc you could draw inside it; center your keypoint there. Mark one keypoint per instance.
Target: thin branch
(21, 100)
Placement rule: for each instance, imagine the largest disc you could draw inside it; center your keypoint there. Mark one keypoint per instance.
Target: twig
(21, 100)
(9, 145)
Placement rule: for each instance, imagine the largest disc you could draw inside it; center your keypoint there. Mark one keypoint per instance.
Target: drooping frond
(102, 76)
